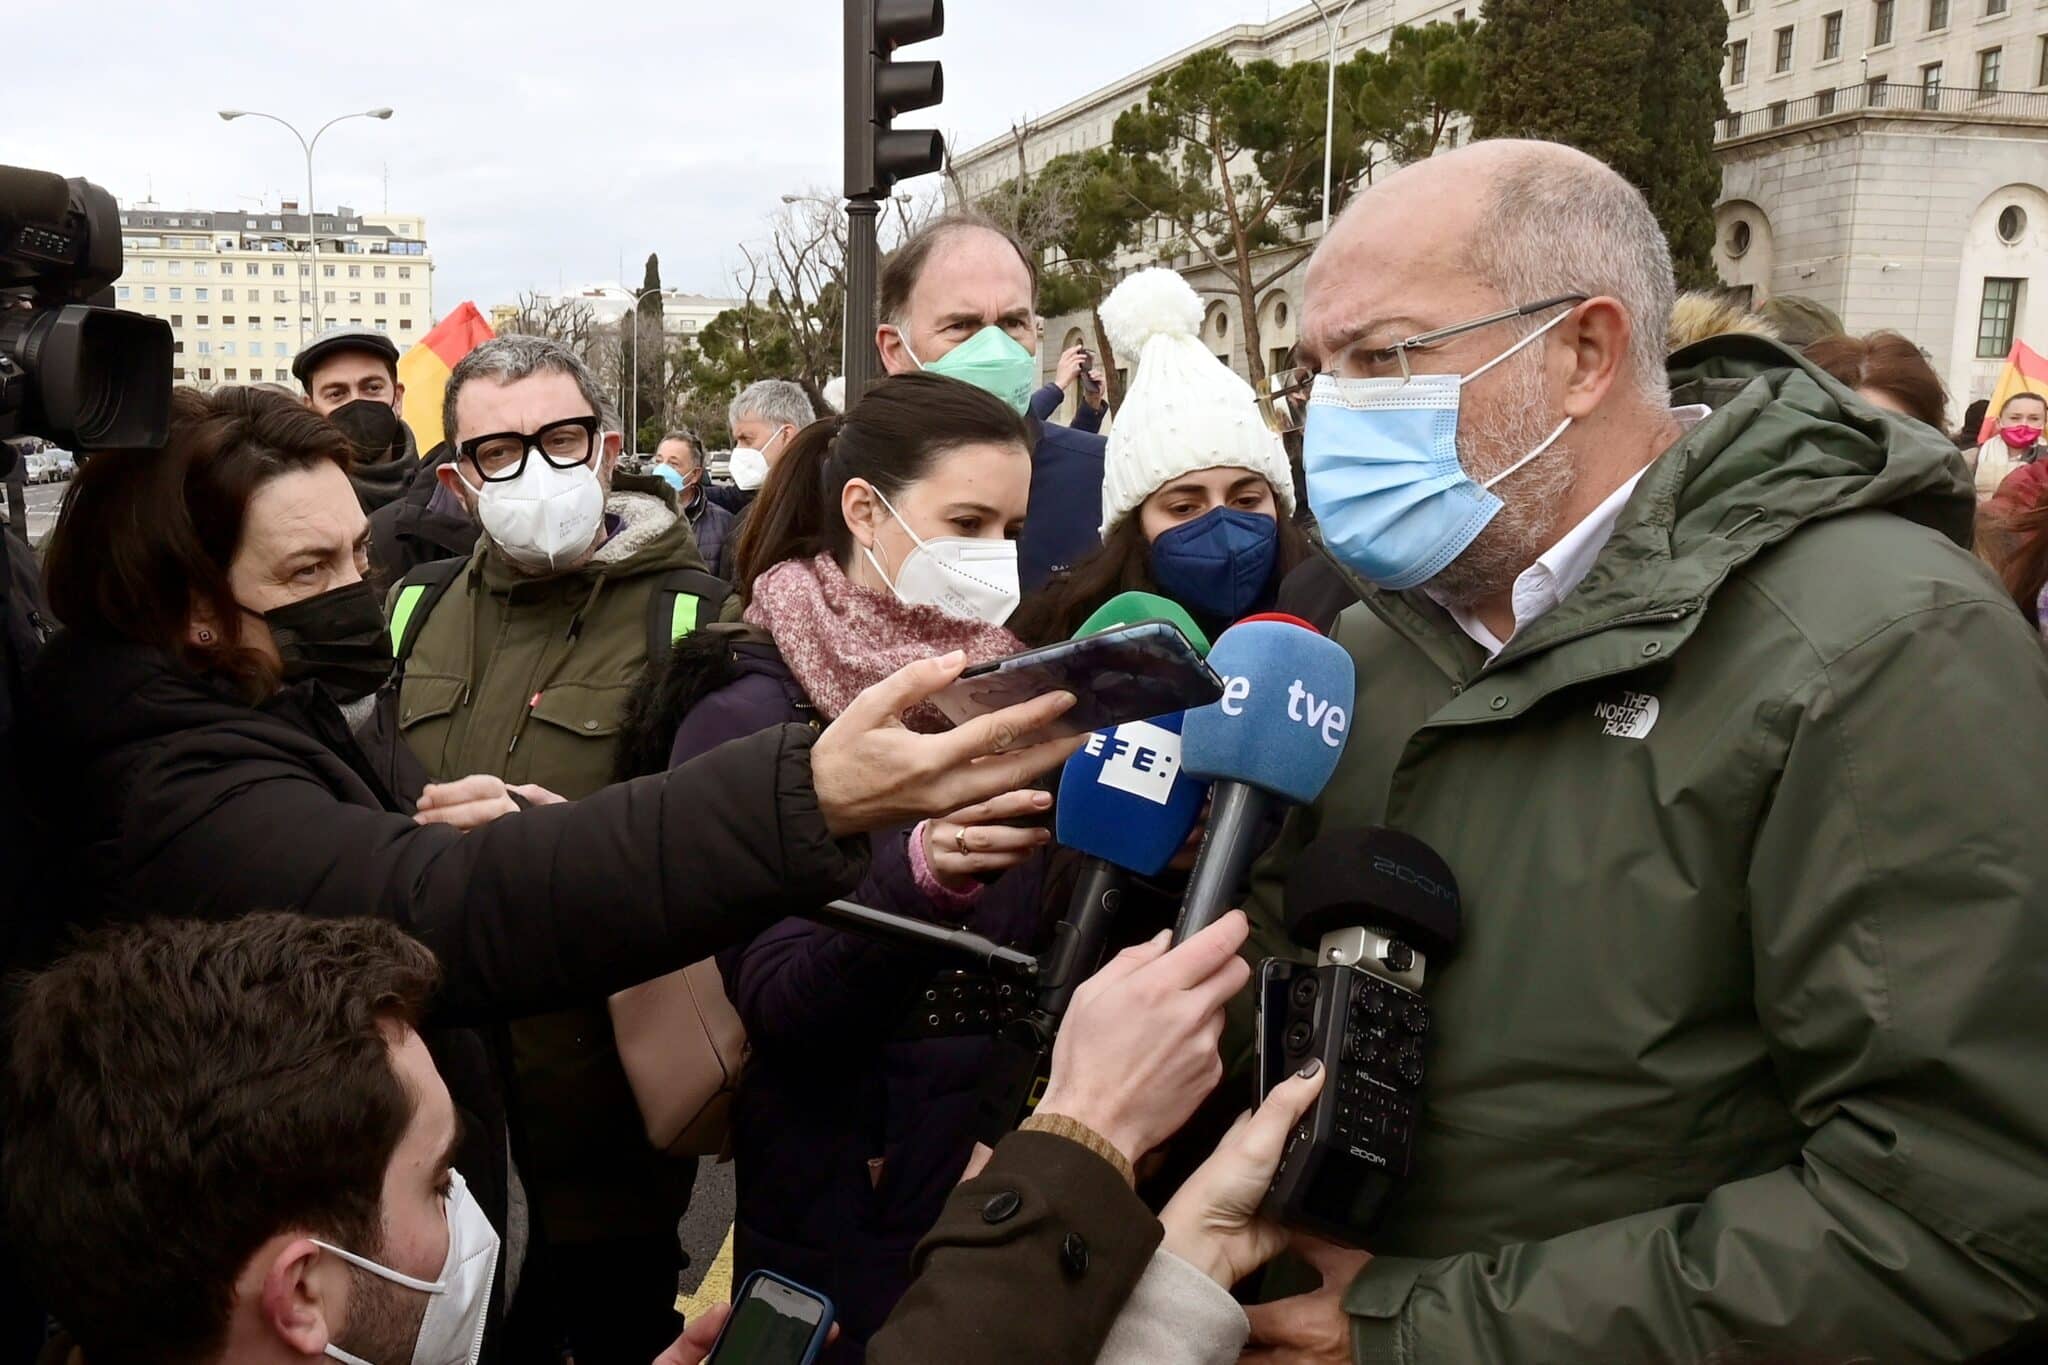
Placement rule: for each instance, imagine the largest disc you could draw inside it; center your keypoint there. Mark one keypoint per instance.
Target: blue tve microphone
(1275, 735)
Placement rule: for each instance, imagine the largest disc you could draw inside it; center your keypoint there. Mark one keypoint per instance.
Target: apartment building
(244, 289)
(1884, 157)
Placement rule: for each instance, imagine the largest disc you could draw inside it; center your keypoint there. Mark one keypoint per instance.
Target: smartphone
(774, 1322)
(1088, 379)
(1132, 673)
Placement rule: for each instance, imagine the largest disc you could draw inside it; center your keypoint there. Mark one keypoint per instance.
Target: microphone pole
(1237, 810)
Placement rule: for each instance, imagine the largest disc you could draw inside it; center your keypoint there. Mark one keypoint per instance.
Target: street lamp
(1330, 100)
(633, 421)
(312, 235)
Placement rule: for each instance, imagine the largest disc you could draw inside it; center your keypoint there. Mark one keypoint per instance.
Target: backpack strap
(682, 602)
(414, 600)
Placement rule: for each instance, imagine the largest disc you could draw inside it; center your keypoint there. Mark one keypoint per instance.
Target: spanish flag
(2025, 372)
(424, 370)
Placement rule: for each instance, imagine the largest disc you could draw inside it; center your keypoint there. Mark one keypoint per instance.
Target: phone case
(1133, 673)
(778, 1348)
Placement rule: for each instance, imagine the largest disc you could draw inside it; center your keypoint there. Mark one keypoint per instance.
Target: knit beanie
(1185, 410)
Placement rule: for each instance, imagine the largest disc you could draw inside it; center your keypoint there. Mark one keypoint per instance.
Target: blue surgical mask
(670, 475)
(1392, 500)
(1218, 565)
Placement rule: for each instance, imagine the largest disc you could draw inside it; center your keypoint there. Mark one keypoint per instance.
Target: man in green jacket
(1732, 746)
(517, 663)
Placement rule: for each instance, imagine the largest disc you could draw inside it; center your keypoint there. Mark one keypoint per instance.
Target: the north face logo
(1632, 717)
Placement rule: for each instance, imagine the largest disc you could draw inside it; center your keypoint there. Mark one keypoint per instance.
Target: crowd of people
(395, 807)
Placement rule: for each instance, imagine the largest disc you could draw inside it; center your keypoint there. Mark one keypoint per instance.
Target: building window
(227, 296)
(1992, 7)
(227, 319)
(1994, 319)
(355, 272)
(278, 323)
(177, 294)
(178, 373)
(203, 322)
(255, 323)
(2041, 65)
(122, 293)
(1784, 57)
(229, 374)
(1779, 113)
(1824, 102)
(205, 373)
(378, 271)
(1739, 239)
(276, 272)
(177, 319)
(1989, 61)
(407, 299)
(204, 348)
(149, 267)
(277, 349)
(149, 293)
(381, 325)
(377, 298)
(1930, 86)
(1738, 61)
(177, 347)
(200, 294)
(280, 375)
(1831, 37)
(1881, 22)
(1937, 15)
(199, 268)
(355, 296)
(279, 296)
(227, 348)
(405, 271)
(405, 324)
(1742, 6)
(2012, 224)
(329, 298)
(327, 271)
(175, 268)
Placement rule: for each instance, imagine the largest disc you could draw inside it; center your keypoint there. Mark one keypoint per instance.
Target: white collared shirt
(1564, 566)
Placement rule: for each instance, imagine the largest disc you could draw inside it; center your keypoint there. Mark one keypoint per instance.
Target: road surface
(43, 501)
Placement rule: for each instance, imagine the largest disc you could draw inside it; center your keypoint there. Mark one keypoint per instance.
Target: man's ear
(452, 481)
(1597, 343)
(895, 355)
(614, 443)
(397, 398)
(298, 1294)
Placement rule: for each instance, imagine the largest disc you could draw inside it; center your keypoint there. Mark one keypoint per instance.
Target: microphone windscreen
(1284, 715)
(1377, 878)
(1129, 608)
(1126, 798)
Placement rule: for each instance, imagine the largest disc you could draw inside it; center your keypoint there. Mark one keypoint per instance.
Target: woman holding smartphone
(886, 534)
(1197, 495)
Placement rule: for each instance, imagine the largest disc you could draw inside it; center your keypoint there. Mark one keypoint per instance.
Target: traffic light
(878, 89)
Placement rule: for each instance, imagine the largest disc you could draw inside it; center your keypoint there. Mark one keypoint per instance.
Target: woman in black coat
(190, 740)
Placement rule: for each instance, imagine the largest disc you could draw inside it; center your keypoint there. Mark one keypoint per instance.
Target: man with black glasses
(515, 663)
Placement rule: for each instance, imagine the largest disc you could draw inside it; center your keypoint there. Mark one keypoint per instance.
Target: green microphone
(1130, 608)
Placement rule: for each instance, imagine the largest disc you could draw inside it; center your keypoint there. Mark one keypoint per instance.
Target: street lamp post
(312, 232)
(1330, 100)
(633, 419)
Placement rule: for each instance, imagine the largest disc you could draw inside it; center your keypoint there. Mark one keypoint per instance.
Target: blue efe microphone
(1275, 735)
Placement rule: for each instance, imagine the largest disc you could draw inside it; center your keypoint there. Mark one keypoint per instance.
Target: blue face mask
(1392, 500)
(1220, 564)
(669, 475)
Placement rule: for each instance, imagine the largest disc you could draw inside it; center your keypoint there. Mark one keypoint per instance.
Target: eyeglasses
(1285, 405)
(1424, 341)
(501, 456)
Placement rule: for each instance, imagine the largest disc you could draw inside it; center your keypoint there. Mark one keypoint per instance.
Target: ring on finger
(960, 840)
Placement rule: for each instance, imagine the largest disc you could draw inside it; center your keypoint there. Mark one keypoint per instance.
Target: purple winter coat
(847, 1140)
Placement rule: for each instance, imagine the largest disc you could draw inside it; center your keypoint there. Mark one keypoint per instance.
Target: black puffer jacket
(165, 794)
(420, 525)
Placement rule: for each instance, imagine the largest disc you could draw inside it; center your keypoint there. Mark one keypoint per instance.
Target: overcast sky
(544, 142)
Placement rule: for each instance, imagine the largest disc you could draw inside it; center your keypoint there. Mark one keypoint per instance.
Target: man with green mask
(959, 298)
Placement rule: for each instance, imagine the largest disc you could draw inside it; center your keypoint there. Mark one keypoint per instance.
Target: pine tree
(1636, 83)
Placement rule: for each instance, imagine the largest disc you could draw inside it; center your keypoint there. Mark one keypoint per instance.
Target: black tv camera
(1377, 906)
(73, 369)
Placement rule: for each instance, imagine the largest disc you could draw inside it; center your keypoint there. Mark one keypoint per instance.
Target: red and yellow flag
(424, 370)
(2026, 371)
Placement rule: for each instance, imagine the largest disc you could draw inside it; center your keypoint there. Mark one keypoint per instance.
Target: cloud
(546, 143)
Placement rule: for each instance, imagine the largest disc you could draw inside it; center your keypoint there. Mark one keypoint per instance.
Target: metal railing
(1881, 98)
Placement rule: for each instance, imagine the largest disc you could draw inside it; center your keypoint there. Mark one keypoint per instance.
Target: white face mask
(547, 518)
(452, 1332)
(748, 466)
(973, 579)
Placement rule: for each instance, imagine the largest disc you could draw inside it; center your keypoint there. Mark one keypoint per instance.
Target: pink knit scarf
(839, 638)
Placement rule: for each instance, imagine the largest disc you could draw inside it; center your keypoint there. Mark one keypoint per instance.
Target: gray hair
(773, 400)
(507, 359)
(1568, 224)
(688, 438)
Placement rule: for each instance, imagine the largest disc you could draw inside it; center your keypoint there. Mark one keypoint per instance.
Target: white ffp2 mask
(547, 517)
(973, 579)
(452, 1332)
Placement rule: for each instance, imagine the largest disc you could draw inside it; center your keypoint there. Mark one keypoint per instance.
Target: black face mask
(337, 639)
(371, 427)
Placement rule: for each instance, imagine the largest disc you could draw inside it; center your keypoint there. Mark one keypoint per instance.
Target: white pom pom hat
(1185, 410)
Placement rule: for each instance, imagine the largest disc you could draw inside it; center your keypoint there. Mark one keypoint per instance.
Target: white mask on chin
(452, 1332)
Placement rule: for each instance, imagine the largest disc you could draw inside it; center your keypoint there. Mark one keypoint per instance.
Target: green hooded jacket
(525, 678)
(1745, 1048)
